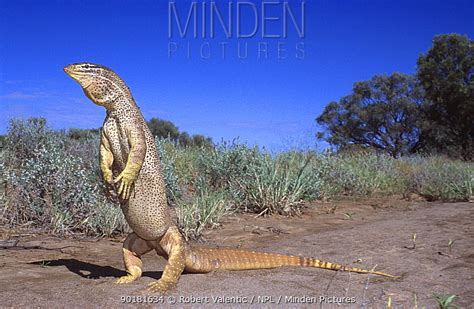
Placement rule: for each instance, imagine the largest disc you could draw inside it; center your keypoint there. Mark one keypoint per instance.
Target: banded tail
(202, 260)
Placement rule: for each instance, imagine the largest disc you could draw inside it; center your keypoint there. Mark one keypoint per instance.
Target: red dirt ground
(46, 271)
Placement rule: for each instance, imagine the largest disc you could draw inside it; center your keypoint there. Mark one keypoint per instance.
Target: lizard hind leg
(174, 247)
(133, 248)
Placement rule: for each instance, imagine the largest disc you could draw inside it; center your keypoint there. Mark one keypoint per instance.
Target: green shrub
(51, 179)
(256, 180)
(227, 163)
(3, 185)
(360, 174)
(275, 184)
(445, 301)
(50, 186)
(23, 139)
(105, 219)
(185, 163)
(434, 178)
(442, 179)
(164, 148)
(202, 211)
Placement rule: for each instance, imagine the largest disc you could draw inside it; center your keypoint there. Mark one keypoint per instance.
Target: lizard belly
(147, 211)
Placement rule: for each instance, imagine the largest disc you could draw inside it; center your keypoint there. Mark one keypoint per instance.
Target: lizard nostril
(69, 68)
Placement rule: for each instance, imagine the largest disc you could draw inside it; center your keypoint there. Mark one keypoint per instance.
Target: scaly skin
(132, 172)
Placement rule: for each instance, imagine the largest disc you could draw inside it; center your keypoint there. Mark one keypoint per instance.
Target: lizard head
(100, 84)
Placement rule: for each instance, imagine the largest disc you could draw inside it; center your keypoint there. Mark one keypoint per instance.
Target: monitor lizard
(131, 168)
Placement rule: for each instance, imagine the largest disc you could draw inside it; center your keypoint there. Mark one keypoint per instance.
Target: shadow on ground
(92, 271)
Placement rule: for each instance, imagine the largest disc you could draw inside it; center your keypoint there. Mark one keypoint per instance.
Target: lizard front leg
(173, 243)
(106, 161)
(136, 157)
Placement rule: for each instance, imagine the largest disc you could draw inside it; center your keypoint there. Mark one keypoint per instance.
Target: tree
(381, 113)
(163, 128)
(184, 139)
(199, 140)
(80, 134)
(166, 129)
(446, 73)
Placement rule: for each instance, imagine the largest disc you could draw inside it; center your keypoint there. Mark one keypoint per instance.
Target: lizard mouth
(77, 75)
(69, 70)
(72, 71)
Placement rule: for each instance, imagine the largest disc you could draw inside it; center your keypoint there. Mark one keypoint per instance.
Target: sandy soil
(42, 270)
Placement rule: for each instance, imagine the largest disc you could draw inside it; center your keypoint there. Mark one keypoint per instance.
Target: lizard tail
(202, 260)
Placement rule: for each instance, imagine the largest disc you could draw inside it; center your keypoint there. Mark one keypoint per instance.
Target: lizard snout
(68, 69)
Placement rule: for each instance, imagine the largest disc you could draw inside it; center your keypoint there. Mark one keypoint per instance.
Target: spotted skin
(132, 173)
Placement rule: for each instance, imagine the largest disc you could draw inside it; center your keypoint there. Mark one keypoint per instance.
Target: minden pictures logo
(236, 29)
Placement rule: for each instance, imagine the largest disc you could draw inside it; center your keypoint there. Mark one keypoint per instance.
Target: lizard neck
(122, 105)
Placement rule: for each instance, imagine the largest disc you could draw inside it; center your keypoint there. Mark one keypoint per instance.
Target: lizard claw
(161, 286)
(111, 194)
(117, 179)
(125, 279)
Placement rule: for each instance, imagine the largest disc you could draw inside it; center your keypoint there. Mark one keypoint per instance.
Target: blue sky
(268, 101)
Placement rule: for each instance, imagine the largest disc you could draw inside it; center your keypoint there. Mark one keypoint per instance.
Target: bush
(358, 174)
(442, 179)
(203, 211)
(3, 185)
(23, 139)
(52, 180)
(226, 163)
(165, 148)
(257, 181)
(275, 185)
(434, 178)
(52, 188)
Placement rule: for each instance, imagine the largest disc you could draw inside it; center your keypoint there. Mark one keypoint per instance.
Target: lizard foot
(161, 286)
(125, 279)
(134, 272)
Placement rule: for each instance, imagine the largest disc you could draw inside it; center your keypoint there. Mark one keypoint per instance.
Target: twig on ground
(366, 287)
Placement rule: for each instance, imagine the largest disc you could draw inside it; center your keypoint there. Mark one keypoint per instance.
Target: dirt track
(378, 232)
